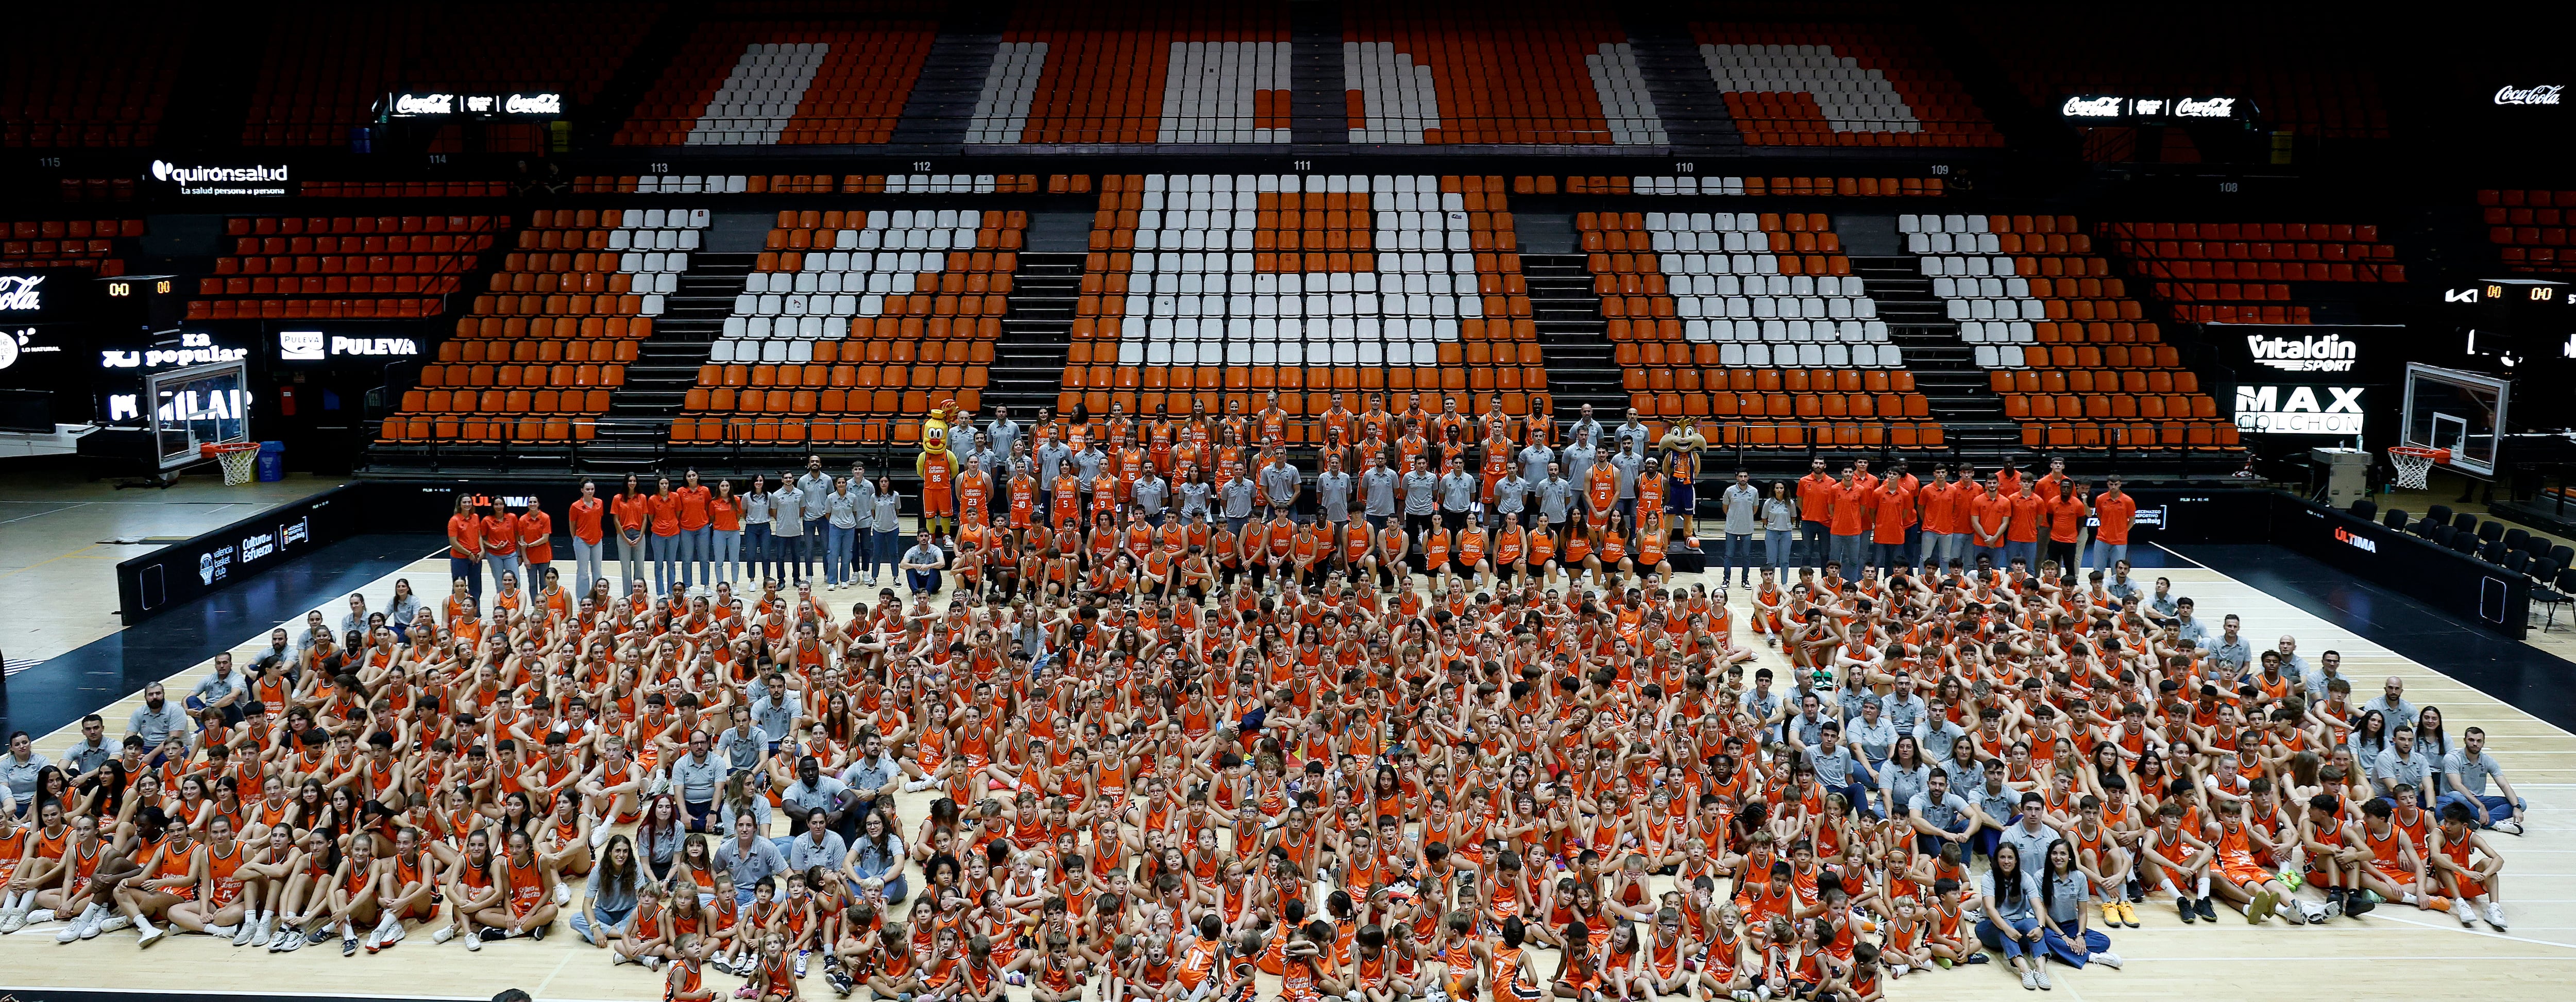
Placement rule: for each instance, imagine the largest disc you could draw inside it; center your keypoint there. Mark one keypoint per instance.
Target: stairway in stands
(1573, 339)
(1686, 98)
(1945, 368)
(1037, 333)
(637, 428)
(942, 101)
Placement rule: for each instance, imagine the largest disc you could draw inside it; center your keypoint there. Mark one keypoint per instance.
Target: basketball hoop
(2415, 464)
(240, 460)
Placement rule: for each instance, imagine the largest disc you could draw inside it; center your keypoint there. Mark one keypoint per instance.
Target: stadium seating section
(403, 189)
(568, 306)
(2530, 226)
(1314, 283)
(323, 75)
(818, 184)
(2303, 75)
(2068, 350)
(2241, 272)
(784, 83)
(1838, 85)
(1802, 186)
(72, 82)
(853, 317)
(1494, 71)
(1134, 72)
(342, 267)
(88, 244)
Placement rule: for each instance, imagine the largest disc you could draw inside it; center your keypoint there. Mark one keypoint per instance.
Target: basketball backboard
(2463, 412)
(197, 406)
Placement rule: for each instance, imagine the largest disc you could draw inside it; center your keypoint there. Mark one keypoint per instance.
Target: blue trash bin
(272, 462)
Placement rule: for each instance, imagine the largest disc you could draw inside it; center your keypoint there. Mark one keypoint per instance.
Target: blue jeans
(2027, 553)
(755, 552)
(1811, 544)
(1852, 551)
(2105, 554)
(790, 554)
(586, 563)
(2064, 950)
(1739, 546)
(727, 558)
(922, 582)
(889, 551)
(616, 920)
(1930, 845)
(863, 551)
(1779, 546)
(2013, 948)
(697, 554)
(836, 556)
(468, 570)
(2498, 808)
(1993, 554)
(817, 539)
(668, 551)
(1888, 556)
(505, 563)
(631, 560)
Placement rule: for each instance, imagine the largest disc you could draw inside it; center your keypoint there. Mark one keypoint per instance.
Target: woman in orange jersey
(169, 876)
(476, 886)
(351, 896)
(221, 908)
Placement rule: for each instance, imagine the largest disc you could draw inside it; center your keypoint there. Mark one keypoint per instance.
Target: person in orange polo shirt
(664, 509)
(536, 544)
(1850, 505)
(589, 538)
(1989, 519)
(697, 536)
(501, 542)
(2065, 521)
(1890, 517)
(2118, 511)
(465, 546)
(2029, 511)
(634, 517)
(1815, 505)
(1936, 503)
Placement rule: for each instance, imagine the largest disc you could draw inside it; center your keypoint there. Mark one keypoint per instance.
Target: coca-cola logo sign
(2094, 107)
(2542, 94)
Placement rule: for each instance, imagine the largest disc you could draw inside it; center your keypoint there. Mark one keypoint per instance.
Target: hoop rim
(2420, 451)
(221, 448)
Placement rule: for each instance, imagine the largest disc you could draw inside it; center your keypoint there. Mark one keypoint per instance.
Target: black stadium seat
(2465, 522)
(2365, 509)
(2395, 519)
(2513, 538)
(2491, 531)
(2441, 534)
(2463, 542)
(2440, 513)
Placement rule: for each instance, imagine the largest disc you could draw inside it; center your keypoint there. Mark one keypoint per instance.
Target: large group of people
(1161, 714)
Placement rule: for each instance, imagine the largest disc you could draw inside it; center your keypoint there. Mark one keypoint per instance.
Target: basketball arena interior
(1411, 501)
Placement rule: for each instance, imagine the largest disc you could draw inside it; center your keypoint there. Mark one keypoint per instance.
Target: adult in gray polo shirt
(1511, 497)
(1534, 461)
(1377, 492)
(2031, 832)
(19, 769)
(1742, 503)
(885, 528)
(1192, 494)
(90, 752)
(816, 486)
(743, 744)
(1051, 459)
(1149, 494)
(158, 718)
(1003, 432)
(788, 540)
(1421, 500)
(1457, 495)
(698, 776)
(1626, 465)
(749, 858)
(1281, 485)
(1579, 459)
(1333, 494)
(1556, 496)
(875, 775)
(863, 540)
(812, 791)
(1939, 815)
(1237, 494)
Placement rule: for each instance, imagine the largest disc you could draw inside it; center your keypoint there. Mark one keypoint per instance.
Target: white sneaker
(226, 931)
(444, 933)
(2107, 958)
(12, 922)
(38, 916)
(112, 923)
(247, 931)
(2030, 981)
(563, 894)
(151, 934)
(2040, 971)
(73, 931)
(474, 944)
(598, 837)
(617, 959)
(393, 933)
(2460, 910)
(2495, 915)
(2508, 826)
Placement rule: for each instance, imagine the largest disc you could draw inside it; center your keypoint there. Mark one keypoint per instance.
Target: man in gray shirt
(1377, 492)
(1087, 465)
(1004, 432)
(1421, 499)
(1555, 497)
(1281, 485)
(1457, 495)
(1237, 495)
(1148, 494)
(2391, 703)
(1634, 434)
(874, 775)
(1586, 429)
(1333, 493)
(812, 791)
(1939, 815)
(2465, 772)
(158, 718)
(1836, 767)
(749, 858)
(788, 540)
(223, 692)
(2230, 651)
(1626, 464)
(1742, 503)
(2401, 763)
(773, 708)
(1534, 461)
(743, 744)
(2031, 834)
(1578, 459)
(1051, 459)
(697, 776)
(90, 752)
(2187, 628)
(1511, 497)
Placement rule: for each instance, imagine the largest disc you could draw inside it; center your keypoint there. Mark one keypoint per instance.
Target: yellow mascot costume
(938, 472)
